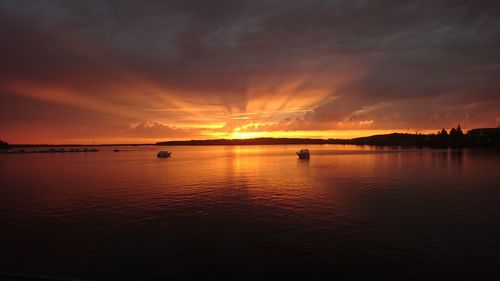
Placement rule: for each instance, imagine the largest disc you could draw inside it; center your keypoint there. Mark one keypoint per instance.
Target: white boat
(303, 154)
(163, 154)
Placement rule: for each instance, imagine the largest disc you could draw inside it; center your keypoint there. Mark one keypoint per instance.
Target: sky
(145, 71)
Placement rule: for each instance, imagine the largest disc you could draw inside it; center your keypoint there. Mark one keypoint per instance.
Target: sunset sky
(146, 71)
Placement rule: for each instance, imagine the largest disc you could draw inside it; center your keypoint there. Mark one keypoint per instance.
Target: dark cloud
(375, 60)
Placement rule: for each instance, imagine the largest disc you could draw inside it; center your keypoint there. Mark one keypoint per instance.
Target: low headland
(482, 137)
(455, 138)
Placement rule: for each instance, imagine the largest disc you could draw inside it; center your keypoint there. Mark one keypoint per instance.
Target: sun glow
(247, 135)
(319, 134)
(270, 111)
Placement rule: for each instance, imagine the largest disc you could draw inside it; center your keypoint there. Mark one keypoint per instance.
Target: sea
(251, 213)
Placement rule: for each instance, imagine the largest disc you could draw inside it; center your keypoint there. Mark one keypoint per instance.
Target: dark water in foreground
(252, 212)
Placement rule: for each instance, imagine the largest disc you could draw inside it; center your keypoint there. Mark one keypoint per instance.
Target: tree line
(455, 138)
(3, 145)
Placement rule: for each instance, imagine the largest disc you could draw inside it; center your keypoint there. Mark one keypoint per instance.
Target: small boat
(303, 154)
(163, 154)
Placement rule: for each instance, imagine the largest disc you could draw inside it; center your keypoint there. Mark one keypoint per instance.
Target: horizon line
(226, 139)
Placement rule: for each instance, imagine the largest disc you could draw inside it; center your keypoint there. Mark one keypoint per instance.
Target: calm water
(250, 212)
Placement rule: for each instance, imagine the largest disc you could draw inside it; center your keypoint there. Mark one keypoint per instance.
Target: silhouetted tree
(453, 133)
(456, 138)
(4, 145)
(441, 140)
(459, 131)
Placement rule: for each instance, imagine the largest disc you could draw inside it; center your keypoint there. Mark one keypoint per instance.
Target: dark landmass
(484, 137)
(455, 138)
(4, 145)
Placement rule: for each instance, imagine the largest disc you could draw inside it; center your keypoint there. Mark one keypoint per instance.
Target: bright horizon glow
(323, 134)
(327, 134)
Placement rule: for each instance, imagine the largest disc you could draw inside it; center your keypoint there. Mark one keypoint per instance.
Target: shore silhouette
(482, 137)
(455, 138)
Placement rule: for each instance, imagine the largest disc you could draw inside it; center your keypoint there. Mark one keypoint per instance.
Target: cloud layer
(201, 69)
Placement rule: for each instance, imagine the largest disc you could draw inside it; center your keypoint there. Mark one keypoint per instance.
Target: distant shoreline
(481, 137)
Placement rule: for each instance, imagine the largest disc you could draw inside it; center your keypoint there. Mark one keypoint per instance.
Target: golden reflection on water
(257, 204)
(262, 174)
